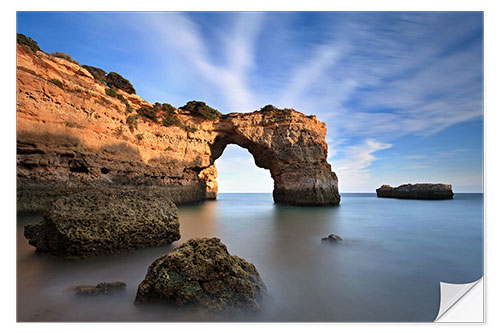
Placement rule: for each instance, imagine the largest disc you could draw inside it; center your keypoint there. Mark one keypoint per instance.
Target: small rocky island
(424, 191)
(202, 273)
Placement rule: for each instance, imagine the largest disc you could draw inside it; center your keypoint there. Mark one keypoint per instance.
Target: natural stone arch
(289, 144)
(84, 143)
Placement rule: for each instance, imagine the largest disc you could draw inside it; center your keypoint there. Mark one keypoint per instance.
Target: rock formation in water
(332, 238)
(103, 288)
(416, 191)
(201, 272)
(105, 221)
(76, 131)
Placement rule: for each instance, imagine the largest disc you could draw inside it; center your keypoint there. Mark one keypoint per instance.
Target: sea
(388, 268)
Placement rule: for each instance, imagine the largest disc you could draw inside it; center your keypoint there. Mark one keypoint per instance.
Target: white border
(492, 57)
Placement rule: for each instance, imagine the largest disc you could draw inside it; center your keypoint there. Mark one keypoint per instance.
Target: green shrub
(105, 100)
(128, 109)
(65, 56)
(111, 92)
(132, 122)
(157, 107)
(202, 109)
(171, 120)
(27, 41)
(56, 82)
(121, 98)
(190, 129)
(97, 73)
(268, 107)
(148, 114)
(168, 108)
(117, 81)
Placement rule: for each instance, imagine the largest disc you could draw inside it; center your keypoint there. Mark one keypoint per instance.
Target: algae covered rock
(201, 272)
(105, 221)
(103, 288)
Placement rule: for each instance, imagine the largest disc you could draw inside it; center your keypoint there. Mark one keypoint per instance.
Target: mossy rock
(201, 272)
(105, 221)
(103, 288)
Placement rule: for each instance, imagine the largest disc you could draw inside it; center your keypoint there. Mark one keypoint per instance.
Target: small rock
(332, 238)
(103, 288)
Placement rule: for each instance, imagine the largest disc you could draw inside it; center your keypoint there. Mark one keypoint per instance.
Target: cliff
(73, 132)
(416, 191)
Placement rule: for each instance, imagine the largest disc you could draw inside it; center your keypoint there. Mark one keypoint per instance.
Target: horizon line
(339, 192)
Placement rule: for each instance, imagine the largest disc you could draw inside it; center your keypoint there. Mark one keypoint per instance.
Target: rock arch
(69, 140)
(289, 144)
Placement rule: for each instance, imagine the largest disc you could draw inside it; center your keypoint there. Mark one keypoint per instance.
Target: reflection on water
(388, 267)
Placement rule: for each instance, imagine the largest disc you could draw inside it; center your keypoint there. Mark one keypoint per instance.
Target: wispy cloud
(309, 74)
(373, 78)
(352, 168)
(230, 78)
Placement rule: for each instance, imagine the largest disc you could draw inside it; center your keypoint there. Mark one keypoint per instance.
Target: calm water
(388, 268)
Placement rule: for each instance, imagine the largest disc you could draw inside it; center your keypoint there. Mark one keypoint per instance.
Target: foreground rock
(201, 272)
(416, 191)
(72, 134)
(331, 238)
(105, 221)
(103, 288)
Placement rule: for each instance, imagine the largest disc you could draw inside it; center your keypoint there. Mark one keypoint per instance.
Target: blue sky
(401, 93)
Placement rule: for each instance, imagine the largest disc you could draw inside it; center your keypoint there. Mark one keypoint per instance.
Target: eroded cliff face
(72, 135)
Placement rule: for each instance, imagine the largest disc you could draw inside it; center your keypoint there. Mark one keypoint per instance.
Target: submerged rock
(417, 191)
(103, 288)
(105, 221)
(331, 238)
(201, 272)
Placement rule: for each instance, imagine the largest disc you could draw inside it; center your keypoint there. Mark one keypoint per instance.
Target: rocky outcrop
(416, 191)
(201, 272)
(74, 133)
(105, 221)
(103, 288)
(331, 238)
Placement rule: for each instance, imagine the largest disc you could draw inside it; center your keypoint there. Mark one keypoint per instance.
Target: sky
(401, 93)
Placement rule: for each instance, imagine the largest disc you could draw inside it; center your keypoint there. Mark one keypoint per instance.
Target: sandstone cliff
(71, 134)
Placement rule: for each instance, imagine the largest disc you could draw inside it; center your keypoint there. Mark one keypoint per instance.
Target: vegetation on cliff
(272, 108)
(115, 80)
(56, 82)
(97, 73)
(148, 114)
(201, 109)
(112, 79)
(27, 42)
(65, 56)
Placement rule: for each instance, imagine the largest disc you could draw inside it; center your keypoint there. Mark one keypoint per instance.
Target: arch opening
(237, 172)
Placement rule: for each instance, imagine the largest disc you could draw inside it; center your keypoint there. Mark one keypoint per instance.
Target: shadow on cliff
(121, 150)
